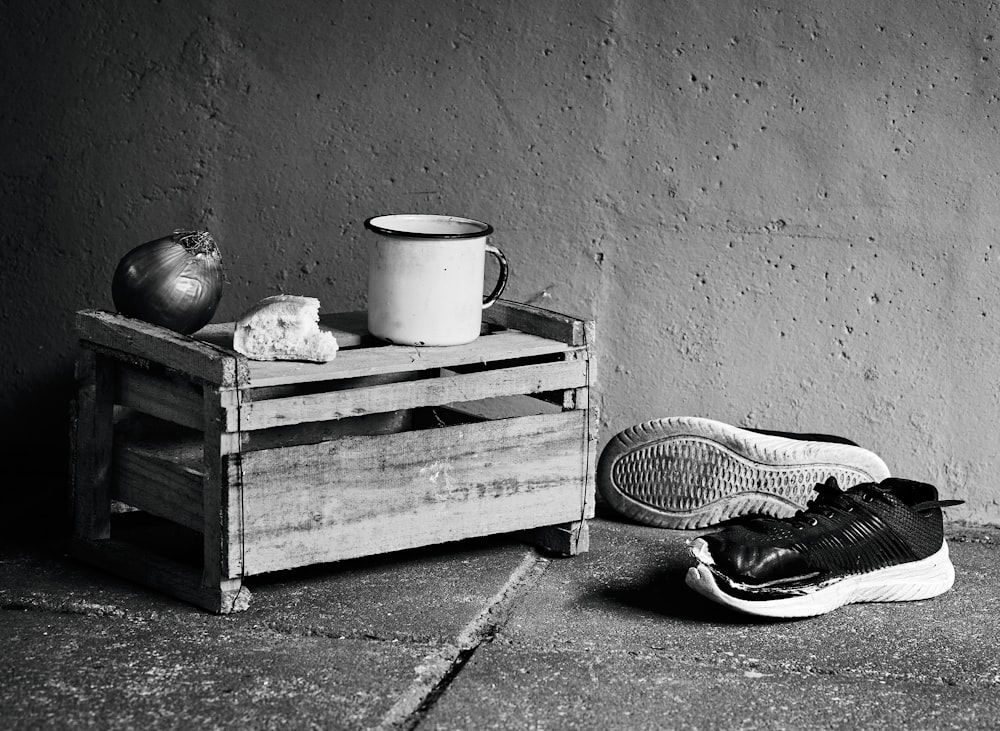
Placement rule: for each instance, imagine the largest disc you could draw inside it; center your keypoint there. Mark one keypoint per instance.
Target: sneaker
(688, 472)
(871, 543)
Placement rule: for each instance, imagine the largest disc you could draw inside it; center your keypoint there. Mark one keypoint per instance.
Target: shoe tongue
(909, 492)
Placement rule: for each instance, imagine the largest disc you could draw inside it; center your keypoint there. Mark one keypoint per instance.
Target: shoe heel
(924, 579)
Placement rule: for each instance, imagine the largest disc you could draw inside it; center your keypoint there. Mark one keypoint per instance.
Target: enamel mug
(425, 278)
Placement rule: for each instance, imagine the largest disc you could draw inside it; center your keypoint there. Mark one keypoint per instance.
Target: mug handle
(493, 296)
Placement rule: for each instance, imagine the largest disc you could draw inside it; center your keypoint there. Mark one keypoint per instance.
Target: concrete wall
(781, 214)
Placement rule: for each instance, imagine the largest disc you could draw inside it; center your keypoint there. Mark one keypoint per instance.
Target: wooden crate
(196, 467)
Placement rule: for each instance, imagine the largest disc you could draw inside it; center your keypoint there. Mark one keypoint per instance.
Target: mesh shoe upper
(867, 527)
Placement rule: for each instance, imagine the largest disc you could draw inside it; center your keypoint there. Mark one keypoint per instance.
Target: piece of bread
(284, 327)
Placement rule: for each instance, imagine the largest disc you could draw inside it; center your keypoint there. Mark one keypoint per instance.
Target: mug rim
(382, 224)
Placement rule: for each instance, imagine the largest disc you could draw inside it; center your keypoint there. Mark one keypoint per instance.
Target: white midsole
(921, 579)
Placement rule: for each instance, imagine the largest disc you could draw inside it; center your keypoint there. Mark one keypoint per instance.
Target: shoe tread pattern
(690, 472)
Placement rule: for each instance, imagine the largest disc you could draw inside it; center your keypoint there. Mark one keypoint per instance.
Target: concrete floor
(491, 634)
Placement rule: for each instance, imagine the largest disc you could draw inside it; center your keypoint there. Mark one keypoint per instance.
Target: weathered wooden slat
(161, 573)
(357, 495)
(503, 408)
(94, 430)
(221, 492)
(341, 384)
(174, 399)
(163, 479)
(589, 401)
(401, 359)
(536, 320)
(136, 338)
(428, 392)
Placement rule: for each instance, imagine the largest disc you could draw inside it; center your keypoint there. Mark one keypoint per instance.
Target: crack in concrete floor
(441, 667)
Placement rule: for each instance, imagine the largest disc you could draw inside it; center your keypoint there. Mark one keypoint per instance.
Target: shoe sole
(690, 472)
(912, 581)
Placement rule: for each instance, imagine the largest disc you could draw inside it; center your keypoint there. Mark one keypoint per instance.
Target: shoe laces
(831, 502)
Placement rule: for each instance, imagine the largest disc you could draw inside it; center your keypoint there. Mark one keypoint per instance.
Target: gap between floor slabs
(440, 668)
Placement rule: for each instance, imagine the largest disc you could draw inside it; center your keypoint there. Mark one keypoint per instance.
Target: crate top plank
(208, 354)
(531, 331)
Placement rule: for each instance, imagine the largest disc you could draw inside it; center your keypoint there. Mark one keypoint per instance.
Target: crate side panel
(369, 495)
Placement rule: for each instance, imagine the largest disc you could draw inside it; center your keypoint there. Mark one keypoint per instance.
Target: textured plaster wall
(781, 214)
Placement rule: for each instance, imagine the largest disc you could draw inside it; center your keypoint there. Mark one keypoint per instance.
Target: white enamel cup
(425, 278)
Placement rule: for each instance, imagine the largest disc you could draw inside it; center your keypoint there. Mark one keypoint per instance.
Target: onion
(175, 282)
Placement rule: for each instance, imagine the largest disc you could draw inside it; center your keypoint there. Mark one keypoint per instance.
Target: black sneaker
(689, 472)
(871, 543)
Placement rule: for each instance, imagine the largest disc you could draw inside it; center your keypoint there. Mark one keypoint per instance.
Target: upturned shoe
(879, 542)
(690, 472)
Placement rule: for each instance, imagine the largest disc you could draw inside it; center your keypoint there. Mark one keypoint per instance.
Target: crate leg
(222, 572)
(565, 539)
(92, 457)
